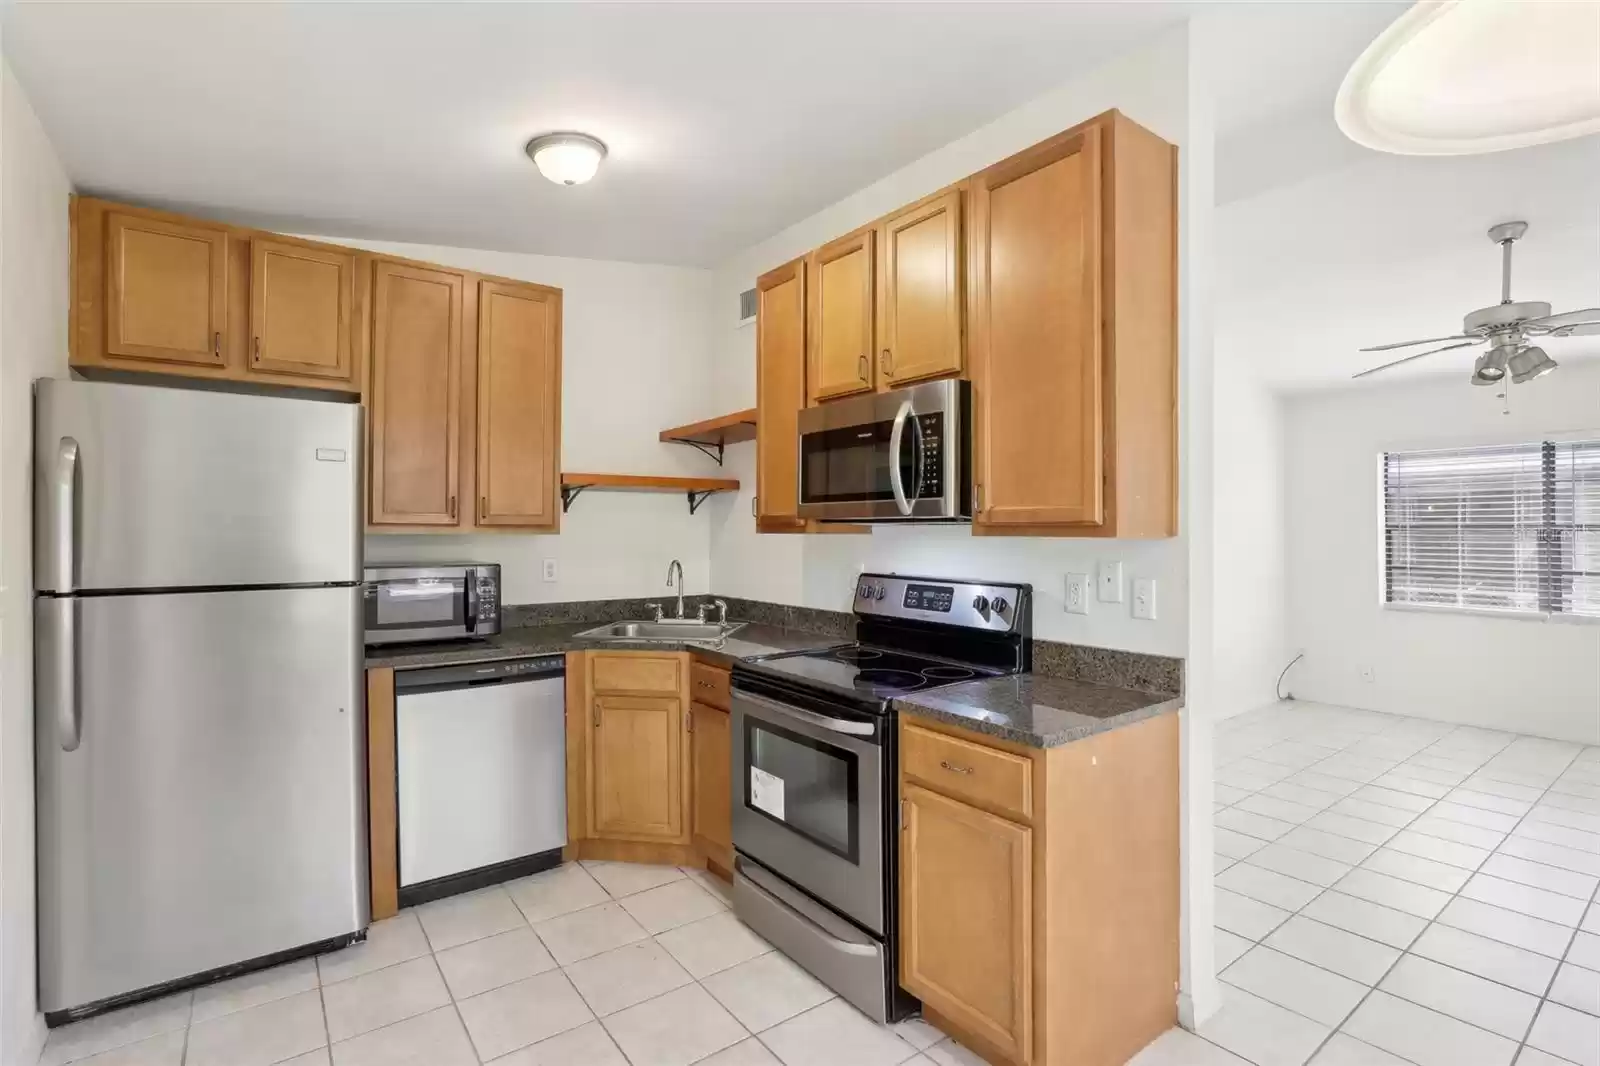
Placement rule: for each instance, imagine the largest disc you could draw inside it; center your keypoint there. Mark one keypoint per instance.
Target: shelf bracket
(568, 494)
(697, 498)
(704, 447)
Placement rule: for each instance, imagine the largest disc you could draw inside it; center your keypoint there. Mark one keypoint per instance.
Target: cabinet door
(636, 769)
(780, 393)
(416, 395)
(713, 792)
(300, 301)
(1035, 340)
(920, 311)
(519, 405)
(840, 331)
(966, 917)
(166, 290)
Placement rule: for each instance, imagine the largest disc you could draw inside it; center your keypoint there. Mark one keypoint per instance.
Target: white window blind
(1512, 528)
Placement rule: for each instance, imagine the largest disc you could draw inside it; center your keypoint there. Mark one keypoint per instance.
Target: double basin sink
(666, 631)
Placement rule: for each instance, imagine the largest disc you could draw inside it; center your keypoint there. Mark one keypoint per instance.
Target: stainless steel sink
(665, 631)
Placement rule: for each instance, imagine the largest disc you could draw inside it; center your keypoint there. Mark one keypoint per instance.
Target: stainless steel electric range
(815, 810)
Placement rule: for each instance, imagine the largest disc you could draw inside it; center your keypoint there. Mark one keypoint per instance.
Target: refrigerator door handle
(57, 640)
(63, 499)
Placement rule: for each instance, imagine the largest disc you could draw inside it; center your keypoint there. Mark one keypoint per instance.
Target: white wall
(34, 258)
(634, 362)
(818, 571)
(1250, 605)
(1533, 677)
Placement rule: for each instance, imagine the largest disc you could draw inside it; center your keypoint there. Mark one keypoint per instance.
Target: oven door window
(853, 463)
(416, 603)
(810, 788)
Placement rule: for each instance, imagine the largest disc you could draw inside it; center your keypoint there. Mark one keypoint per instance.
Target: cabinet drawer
(626, 672)
(709, 685)
(960, 768)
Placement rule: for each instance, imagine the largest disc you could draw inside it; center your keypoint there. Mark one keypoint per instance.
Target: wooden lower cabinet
(966, 899)
(1042, 933)
(711, 730)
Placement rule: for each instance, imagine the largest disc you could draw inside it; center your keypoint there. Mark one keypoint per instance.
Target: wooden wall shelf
(715, 433)
(698, 489)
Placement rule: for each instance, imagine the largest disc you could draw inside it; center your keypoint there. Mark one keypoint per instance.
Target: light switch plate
(1077, 593)
(549, 569)
(1109, 579)
(1144, 598)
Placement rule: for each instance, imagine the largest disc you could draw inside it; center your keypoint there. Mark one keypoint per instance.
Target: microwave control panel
(488, 598)
(932, 427)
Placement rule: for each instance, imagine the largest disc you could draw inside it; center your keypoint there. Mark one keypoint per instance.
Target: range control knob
(879, 592)
(1000, 605)
(980, 604)
(865, 591)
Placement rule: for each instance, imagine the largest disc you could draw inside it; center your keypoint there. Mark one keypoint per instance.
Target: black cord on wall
(1287, 695)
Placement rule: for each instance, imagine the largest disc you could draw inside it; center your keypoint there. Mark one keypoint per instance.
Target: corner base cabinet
(1039, 890)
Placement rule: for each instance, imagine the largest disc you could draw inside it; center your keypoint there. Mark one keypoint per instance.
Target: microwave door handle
(470, 577)
(821, 721)
(896, 436)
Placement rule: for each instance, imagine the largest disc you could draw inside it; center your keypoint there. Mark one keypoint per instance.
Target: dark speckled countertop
(747, 642)
(1041, 712)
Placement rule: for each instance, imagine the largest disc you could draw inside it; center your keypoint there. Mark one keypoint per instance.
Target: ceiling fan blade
(1577, 329)
(1426, 340)
(1566, 318)
(1409, 358)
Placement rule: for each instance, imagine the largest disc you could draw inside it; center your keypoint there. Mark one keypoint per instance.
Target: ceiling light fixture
(1528, 364)
(1460, 77)
(1490, 367)
(567, 158)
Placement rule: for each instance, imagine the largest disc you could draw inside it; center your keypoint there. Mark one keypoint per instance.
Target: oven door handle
(821, 721)
(896, 435)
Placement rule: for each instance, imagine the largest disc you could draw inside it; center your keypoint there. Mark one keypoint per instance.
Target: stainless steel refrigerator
(198, 661)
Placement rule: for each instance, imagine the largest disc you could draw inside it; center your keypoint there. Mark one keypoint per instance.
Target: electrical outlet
(549, 569)
(1144, 598)
(1077, 593)
(1109, 578)
(1367, 674)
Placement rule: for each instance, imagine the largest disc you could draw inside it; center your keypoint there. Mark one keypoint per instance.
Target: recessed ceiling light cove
(567, 158)
(1460, 77)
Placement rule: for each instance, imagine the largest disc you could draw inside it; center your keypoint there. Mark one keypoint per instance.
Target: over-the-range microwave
(900, 456)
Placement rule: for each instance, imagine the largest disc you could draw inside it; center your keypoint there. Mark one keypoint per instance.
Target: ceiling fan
(1505, 327)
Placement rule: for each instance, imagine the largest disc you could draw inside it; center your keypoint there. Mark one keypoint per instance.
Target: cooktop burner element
(882, 673)
(856, 655)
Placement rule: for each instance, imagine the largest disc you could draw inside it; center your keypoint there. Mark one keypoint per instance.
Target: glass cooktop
(876, 673)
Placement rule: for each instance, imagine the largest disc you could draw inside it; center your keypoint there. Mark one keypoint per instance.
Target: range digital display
(929, 597)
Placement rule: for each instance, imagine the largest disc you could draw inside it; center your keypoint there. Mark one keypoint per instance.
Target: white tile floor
(1397, 892)
(598, 964)
(1390, 891)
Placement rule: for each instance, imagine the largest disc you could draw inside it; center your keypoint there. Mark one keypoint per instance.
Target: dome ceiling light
(567, 158)
(1461, 77)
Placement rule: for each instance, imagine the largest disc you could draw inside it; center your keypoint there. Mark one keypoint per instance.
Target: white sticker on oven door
(766, 792)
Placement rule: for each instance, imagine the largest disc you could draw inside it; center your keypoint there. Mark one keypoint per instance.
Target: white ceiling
(407, 121)
(1393, 248)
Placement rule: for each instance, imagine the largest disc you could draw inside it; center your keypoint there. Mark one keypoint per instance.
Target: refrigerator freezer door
(213, 808)
(180, 488)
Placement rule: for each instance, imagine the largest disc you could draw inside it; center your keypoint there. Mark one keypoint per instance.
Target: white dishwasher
(481, 771)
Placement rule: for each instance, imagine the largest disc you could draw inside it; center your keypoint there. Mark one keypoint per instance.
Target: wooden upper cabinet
(840, 330)
(166, 290)
(415, 402)
(920, 292)
(300, 309)
(966, 918)
(1036, 352)
(636, 771)
(780, 394)
(519, 405)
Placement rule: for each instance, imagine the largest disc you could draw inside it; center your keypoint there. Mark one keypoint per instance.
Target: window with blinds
(1513, 528)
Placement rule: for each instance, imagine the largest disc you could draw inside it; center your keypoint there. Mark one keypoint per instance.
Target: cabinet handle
(452, 507)
(953, 768)
(597, 714)
(688, 721)
(483, 507)
(216, 344)
(861, 372)
(888, 362)
(753, 502)
(258, 350)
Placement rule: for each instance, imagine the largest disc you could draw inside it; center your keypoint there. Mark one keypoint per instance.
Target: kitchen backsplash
(1100, 666)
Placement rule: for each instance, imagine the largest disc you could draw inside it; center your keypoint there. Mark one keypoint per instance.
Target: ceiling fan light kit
(1505, 327)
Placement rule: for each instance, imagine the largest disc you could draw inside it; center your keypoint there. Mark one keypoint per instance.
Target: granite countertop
(1041, 712)
(750, 641)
